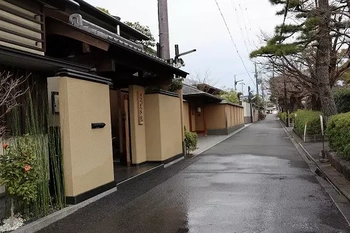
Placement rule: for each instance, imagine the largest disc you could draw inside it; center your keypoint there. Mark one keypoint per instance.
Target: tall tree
(230, 95)
(148, 44)
(309, 48)
(323, 58)
(103, 9)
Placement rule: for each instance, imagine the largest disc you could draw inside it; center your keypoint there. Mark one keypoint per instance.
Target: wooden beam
(105, 65)
(56, 14)
(57, 28)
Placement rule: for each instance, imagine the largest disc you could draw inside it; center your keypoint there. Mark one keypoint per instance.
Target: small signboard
(140, 102)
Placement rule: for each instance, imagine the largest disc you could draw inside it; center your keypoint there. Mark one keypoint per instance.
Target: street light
(236, 82)
(178, 54)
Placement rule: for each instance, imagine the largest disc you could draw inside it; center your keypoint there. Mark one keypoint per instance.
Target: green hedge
(313, 122)
(283, 116)
(338, 132)
(342, 100)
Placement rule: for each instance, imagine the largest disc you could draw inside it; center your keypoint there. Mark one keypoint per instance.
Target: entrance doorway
(197, 118)
(120, 119)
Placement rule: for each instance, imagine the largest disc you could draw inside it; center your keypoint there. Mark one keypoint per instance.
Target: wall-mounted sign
(140, 105)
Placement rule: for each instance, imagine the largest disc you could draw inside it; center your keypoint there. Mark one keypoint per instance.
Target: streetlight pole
(236, 82)
(242, 87)
(234, 78)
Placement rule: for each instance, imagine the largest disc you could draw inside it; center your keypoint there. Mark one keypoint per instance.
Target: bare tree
(9, 93)
(197, 79)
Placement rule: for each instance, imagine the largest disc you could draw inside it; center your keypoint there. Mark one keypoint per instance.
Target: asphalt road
(254, 181)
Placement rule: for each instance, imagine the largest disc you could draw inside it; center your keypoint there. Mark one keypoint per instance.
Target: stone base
(341, 165)
(225, 131)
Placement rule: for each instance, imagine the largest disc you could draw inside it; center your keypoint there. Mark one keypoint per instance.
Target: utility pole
(235, 83)
(163, 21)
(250, 103)
(257, 89)
(263, 96)
(257, 82)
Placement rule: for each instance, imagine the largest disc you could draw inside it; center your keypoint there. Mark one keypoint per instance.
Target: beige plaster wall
(12, 37)
(87, 152)
(153, 132)
(228, 116)
(234, 115)
(170, 118)
(138, 132)
(186, 111)
(193, 117)
(199, 120)
(163, 127)
(215, 116)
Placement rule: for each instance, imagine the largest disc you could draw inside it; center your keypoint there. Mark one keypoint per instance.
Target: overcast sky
(198, 24)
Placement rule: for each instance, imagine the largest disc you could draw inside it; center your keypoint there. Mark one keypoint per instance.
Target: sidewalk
(128, 191)
(313, 151)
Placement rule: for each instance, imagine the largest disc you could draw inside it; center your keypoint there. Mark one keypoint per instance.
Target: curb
(54, 217)
(320, 167)
(201, 151)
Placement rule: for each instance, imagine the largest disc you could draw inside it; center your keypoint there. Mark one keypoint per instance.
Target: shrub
(261, 116)
(19, 171)
(191, 141)
(292, 116)
(312, 118)
(338, 132)
(342, 100)
(283, 116)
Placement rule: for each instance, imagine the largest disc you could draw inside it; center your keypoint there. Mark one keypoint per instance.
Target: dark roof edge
(83, 76)
(110, 19)
(203, 94)
(133, 49)
(40, 58)
(164, 92)
(233, 104)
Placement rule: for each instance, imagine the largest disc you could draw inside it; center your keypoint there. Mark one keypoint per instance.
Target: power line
(244, 21)
(234, 44)
(235, 12)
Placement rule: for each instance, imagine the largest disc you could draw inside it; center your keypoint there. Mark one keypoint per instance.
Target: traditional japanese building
(208, 114)
(95, 77)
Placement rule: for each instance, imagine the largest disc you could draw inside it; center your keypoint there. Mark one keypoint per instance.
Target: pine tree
(307, 43)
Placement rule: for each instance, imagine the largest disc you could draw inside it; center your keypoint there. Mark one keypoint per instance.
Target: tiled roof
(189, 90)
(77, 21)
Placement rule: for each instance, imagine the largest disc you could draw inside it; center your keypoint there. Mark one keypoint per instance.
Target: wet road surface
(254, 181)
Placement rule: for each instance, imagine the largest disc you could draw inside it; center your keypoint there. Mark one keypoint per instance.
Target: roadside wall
(87, 152)
(163, 126)
(223, 118)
